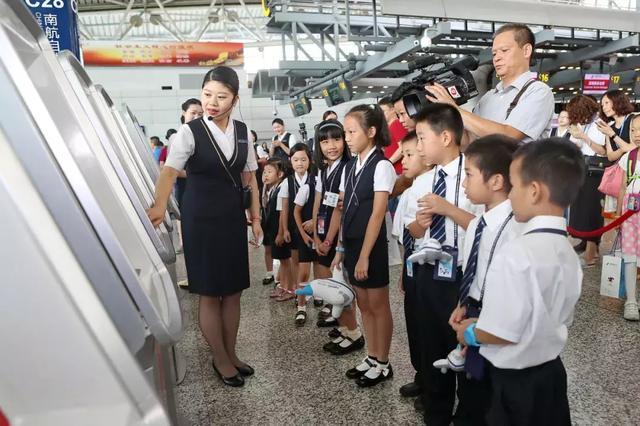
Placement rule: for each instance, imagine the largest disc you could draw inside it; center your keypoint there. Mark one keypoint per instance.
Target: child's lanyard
(548, 231)
(433, 187)
(352, 175)
(333, 175)
(492, 252)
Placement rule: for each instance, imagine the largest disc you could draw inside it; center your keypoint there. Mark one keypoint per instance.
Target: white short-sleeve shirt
(284, 189)
(302, 197)
(633, 187)
(384, 177)
(533, 113)
(329, 171)
(183, 146)
(420, 187)
(451, 179)
(495, 219)
(592, 133)
(281, 187)
(533, 285)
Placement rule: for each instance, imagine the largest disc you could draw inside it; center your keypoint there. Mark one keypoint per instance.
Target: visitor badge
(445, 270)
(321, 224)
(330, 199)
(409, 268)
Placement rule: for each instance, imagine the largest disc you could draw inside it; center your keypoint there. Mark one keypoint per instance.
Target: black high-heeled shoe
(234, 381)
(246, 370)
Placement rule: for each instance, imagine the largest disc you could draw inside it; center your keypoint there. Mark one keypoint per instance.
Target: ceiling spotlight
(370, 87)
(560, 88)
(155, 19)
(563, 68)
(136, 21)
(368, 91)
(572, 88)
(355, 87)
(385, 87)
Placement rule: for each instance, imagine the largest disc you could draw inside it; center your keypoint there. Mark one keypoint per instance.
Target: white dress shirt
(384, 177)
(451, 179)
(397, 226)
(284, 190)
(594, 134)
(292, 138)
(183, 146)
(633, 187)
(302, 196)
(533, 285)
(494, 219)
(332, 167)
(421, 186)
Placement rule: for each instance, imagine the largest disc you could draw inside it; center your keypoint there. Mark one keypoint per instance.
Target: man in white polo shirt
(520, 106)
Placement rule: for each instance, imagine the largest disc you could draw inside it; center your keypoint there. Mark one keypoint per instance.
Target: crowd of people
(481, 198)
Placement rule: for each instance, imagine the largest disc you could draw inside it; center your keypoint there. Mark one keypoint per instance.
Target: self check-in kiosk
(93, 199)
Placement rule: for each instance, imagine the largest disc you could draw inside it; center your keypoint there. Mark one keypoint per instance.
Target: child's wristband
(470, 335)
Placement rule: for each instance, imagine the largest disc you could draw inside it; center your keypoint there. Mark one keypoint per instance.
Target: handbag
(596, 164)
(611, 180)
(612, 282)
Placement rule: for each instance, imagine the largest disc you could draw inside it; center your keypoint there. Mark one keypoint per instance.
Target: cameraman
(530, 118)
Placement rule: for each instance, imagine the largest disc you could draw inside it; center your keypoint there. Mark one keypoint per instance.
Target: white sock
(269, 274)
(630, 277)
(302, 308)
(351, 334)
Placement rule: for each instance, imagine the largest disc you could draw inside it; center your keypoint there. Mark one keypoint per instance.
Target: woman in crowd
(616, 106)
(585, 212)
(562, 131)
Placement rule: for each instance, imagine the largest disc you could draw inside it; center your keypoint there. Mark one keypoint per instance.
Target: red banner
(187, 54)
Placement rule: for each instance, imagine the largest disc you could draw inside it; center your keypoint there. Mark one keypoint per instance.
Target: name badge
(331, 199)
(409, 268)
(447, 270)
(321, 224)
(633, 203)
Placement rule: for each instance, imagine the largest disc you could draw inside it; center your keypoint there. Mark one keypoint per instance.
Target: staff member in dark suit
(219, 161)
(281, 142)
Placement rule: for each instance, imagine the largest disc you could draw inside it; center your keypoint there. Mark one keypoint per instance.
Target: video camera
(455, 77)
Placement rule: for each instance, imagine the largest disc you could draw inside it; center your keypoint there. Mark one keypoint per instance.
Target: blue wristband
(340, 249)
(470, 335)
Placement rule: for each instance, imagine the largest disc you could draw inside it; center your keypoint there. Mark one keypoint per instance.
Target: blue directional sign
(59, 21)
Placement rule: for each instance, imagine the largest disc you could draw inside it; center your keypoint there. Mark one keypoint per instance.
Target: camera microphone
(422, 62)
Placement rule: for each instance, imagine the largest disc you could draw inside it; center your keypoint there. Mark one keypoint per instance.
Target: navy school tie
(472, 263)
(438, 230)
(407, 241)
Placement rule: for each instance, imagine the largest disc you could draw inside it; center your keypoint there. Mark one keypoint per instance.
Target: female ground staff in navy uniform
(219, 162)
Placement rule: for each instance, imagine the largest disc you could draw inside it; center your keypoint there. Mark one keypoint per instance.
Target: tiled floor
(296, 383)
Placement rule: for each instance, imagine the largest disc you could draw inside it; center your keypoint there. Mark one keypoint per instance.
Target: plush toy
(334, 291)
(428, 252)
(454, 361)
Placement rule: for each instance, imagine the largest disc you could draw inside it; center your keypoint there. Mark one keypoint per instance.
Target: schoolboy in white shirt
(416, 170)
(486, 183)
(533, 285)
(446, 212)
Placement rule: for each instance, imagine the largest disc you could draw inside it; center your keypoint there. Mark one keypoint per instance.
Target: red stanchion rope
(599, 232)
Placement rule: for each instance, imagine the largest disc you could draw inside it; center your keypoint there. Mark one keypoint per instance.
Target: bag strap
(631, 164)
(221, 156)
(518, 96)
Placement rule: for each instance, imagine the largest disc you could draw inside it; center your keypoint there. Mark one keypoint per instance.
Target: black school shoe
(268, 280)
(334, 333)
(233, 381)
(410, 390)
(325, 312)
(360, 369)
(328, 322)
(354, 345)
(301, 318)
(365, 381)
(418, 405)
